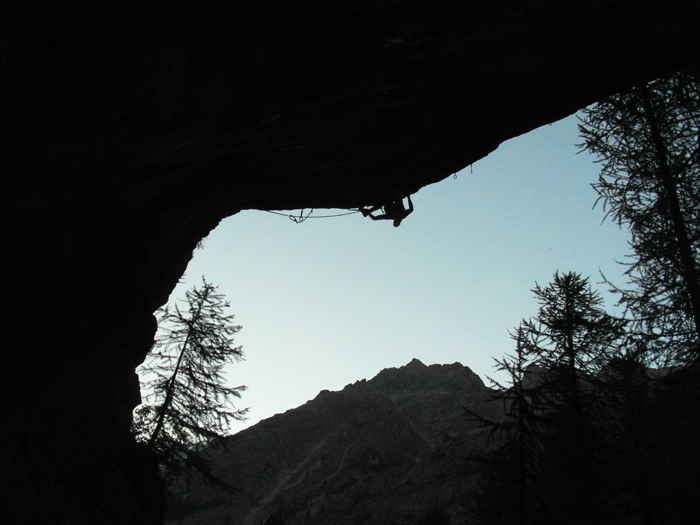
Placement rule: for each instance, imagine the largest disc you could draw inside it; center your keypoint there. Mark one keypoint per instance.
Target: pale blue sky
(331, 301)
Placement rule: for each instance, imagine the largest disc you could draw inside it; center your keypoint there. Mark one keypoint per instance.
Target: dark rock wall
(132, 128)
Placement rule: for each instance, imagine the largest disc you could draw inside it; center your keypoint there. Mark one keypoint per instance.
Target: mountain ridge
(378, 451)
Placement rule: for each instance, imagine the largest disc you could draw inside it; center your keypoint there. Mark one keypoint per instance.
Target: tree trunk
(689, 269)
(169, 394)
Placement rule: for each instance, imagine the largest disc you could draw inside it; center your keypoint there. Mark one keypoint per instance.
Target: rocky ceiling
(132, 128)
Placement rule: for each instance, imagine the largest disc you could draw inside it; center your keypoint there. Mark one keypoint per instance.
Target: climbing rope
(301, 217)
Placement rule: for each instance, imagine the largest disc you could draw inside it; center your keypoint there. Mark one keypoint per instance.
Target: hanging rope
(301, 217)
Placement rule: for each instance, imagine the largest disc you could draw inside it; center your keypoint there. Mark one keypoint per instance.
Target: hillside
(378, 451)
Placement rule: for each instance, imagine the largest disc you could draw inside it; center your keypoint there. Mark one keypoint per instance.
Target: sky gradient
(331, 301)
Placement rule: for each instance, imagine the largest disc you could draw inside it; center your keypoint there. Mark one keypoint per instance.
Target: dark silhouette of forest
(602, 411)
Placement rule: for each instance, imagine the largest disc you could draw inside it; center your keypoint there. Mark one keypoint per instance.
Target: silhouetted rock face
(132, 128)
(379, 451)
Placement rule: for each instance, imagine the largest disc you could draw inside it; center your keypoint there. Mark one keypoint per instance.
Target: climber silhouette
(393, 211)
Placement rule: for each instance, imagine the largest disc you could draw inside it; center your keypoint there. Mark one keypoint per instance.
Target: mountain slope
(378, 451)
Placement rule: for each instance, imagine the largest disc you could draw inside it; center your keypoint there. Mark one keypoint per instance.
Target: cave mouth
(136, 129)
(335, 300)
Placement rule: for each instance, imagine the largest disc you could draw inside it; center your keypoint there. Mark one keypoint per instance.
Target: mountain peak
(390, 441)
(416, 377)
(415, 363)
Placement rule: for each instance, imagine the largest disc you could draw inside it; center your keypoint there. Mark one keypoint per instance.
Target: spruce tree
(509, 492)
(570, 340)
(648, 142)
(188, 407)
(626, 402)
(545, 469)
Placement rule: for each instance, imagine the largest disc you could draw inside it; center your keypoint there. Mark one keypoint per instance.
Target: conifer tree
(544, 471)
(188, 408)
(626, 395)
(648, 142)
(508, 491)
(570, 339)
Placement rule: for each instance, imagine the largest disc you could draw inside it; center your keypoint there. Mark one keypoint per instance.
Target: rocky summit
(379, 451)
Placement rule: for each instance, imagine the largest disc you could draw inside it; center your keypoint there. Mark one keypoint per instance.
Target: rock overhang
(136, 128)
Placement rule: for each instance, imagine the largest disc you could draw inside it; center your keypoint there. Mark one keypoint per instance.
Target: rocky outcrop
(378, 451)
(132, 128)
